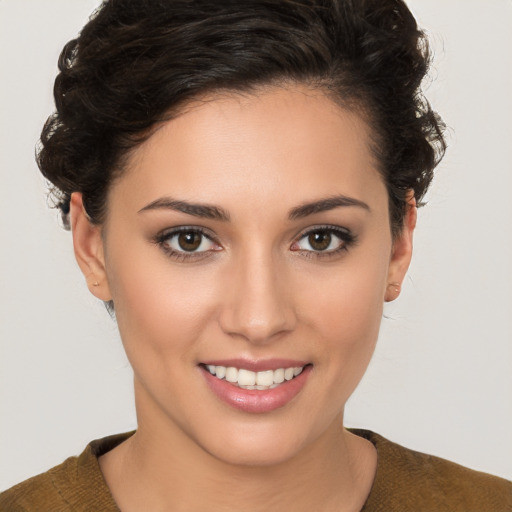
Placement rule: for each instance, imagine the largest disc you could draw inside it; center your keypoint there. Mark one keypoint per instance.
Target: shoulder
(38, 490)
(75, 485)
(409, 480)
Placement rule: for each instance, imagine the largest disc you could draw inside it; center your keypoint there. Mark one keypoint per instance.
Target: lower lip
(253, 400)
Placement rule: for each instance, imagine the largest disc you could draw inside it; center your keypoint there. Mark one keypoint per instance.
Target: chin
(260, 445)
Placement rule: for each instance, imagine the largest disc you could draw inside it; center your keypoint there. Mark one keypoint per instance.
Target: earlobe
(402, 251)
(88, 247)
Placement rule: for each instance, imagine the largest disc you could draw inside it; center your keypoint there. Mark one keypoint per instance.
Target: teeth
(246, 379)
(279, 376)
(265, 378)
(231, 374)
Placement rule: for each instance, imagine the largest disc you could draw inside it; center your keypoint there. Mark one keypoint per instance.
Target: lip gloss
(253, 400)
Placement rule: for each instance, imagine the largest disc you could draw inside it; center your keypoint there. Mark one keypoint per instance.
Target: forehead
(292, 144)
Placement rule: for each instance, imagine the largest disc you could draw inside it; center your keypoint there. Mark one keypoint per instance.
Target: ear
(401, 253)
(88, 246)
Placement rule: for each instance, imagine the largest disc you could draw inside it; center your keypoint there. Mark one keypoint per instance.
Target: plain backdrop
(441, 378)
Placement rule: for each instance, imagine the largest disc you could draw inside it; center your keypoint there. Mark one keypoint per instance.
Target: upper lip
(256, 365)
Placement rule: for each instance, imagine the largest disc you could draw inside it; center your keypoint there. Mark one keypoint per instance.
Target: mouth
(265, 387)
(247, 379)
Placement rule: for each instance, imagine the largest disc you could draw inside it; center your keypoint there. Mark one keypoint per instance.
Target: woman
(241, 181)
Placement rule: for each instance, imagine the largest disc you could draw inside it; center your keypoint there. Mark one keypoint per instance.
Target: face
(248, 238)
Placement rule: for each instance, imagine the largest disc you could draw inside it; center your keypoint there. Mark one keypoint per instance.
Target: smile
(269, 385)
(247, 379)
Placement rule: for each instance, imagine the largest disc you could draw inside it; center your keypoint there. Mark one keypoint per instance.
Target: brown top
(406, 481)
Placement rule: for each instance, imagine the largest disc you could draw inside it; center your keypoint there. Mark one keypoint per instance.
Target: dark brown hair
(137, 61)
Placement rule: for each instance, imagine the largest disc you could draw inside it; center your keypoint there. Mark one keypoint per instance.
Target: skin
(259, 291)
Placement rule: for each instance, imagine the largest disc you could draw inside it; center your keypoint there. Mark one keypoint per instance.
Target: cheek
(349, 297)
(161, 308)
(346, 313)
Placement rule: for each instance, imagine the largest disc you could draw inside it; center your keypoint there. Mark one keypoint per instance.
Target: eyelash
(163, 239)
(346, 237)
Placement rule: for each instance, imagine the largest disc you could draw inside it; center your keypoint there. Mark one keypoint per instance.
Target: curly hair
(137, 62)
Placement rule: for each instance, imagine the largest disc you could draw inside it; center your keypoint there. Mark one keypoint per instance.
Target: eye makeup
(186, 243)
(195, 243)
(326, 241)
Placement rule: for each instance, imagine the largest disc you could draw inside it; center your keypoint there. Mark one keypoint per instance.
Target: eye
(189, 241)
(328, 240)
(186, 242)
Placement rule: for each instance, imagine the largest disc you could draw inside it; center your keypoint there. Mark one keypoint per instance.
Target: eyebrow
(207, 211)
(322, 205)
(204, 211)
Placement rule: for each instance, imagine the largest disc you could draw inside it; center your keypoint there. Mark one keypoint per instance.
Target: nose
(258, 304)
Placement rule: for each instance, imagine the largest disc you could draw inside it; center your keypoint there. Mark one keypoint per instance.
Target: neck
(160, 467)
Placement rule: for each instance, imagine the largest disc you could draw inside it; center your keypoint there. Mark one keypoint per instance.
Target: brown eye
(189, 241)
(328, 240)
(320, 240)
(192, 241)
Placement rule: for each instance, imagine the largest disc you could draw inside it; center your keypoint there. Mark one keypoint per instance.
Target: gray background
(441, 379)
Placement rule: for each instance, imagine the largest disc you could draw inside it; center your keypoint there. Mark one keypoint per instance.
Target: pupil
(189, 241)
(320, 240)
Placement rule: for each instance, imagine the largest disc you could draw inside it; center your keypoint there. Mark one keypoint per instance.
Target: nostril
(257, 330)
